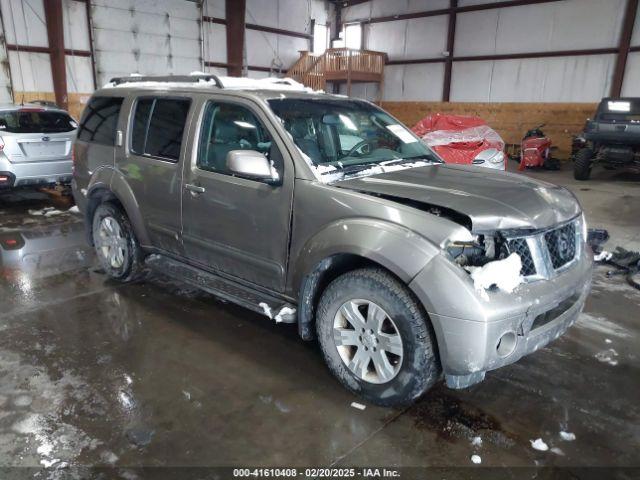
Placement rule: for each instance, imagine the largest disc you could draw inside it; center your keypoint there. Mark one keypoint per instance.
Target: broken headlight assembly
(478, 251)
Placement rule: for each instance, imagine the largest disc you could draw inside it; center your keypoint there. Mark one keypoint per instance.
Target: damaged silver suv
(325, 211)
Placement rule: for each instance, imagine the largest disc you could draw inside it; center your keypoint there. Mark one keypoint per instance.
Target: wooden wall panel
(76, 101)
(510, 120)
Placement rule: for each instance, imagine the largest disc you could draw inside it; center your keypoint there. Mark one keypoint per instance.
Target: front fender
(398, 249)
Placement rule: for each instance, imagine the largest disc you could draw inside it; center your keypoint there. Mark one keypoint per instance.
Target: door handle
(194, 189)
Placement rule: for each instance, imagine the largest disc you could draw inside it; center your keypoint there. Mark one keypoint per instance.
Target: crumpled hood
(493, 200)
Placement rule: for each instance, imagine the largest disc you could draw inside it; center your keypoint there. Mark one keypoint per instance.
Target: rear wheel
(116, 245)
(582, 164)
(376, 339)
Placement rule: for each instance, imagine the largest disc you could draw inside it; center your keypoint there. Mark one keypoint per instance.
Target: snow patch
(608, 356)
(567, 436)
(476, 459)
(538, 444)
(603, 256)
(266, 309)
(557, 451)
(476, 442)
(504, 274)
(284, 311)
(74, 209)
(601, 325)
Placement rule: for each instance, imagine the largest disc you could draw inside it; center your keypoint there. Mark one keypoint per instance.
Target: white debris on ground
(557, 451)
(284, 311)
(504, 274)
(186, 394)
(607, 340)
(46, 212)
(538, 444)
(476, 442)
(357, 405)
(74, 209)
(567, 436)
(266, 309)
(476, 459)
(608, 356)
(603, 256)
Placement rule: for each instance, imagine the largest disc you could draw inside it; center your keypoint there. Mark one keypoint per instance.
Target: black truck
(612, 137)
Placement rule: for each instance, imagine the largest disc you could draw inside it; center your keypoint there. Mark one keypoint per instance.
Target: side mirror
(253, 165)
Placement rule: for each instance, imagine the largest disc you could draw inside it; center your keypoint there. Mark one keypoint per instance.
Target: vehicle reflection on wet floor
(156, 373)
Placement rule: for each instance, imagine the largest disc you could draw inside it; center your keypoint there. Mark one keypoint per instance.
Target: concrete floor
(94, 373)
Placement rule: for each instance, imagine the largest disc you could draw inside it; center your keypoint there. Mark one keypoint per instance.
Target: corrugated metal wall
(566, 25)
(167, 36)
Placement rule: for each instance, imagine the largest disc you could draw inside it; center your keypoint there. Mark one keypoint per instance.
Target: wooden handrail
(339, 64)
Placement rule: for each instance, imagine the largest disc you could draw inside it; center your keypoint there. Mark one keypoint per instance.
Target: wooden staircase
(339, 65)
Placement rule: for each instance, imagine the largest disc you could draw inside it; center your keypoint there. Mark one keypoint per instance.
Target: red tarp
(457, 138)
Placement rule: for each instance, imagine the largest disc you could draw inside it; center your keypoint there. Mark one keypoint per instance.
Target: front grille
(519, 246)
(561, 244)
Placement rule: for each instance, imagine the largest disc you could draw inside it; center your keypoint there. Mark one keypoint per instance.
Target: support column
(623, 48)
(55, 34)
(235, 12)
(448, 66)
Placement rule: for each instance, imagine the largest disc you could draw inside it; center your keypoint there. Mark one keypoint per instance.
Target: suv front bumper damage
(476, 335)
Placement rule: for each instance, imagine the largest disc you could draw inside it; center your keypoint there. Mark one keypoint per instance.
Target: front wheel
(582, 165)
(116, 245)
(376, 338)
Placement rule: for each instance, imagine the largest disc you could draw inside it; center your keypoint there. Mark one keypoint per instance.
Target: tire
(126, 264)
(582, 164)
(405, 330)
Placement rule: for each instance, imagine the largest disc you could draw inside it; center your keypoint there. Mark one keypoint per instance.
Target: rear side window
(36, 120)
(100, 120)
(158, 127)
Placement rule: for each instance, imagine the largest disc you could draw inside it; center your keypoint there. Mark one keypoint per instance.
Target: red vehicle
(535, 150)
(462, 139)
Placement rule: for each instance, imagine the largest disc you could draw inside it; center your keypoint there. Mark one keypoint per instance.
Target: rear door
(150, 163)
(32, 134)
(236, 225)
(97, 136)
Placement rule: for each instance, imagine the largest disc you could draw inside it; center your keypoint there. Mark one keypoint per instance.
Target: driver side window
(227, 127)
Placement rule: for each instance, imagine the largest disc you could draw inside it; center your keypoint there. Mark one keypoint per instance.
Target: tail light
(11, 241)
(73, 159)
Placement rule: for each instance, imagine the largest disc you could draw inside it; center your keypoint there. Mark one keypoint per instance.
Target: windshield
(36, 121)
(623, 111)
(347, 135)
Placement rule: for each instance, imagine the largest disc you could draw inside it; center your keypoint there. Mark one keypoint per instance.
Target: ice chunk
(539, 444)
(266, 309)
(567, 436)
(284, 312)
(505, 274)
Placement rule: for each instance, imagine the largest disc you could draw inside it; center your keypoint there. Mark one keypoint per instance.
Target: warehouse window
(320, 38)
(100, 120)
(353, 35)
(158, 127)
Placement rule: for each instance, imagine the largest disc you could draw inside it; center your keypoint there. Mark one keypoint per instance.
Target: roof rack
(205, 77)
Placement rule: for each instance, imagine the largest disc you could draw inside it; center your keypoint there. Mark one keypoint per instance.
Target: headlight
(493, 156)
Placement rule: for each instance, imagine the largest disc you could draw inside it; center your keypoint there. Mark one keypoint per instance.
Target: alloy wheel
(110, 243)
(368, 341)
